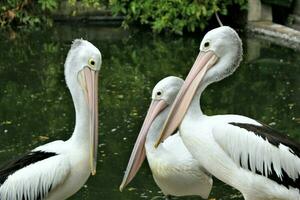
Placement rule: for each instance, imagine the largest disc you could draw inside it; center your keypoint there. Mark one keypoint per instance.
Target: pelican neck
(194, 109)
(82, 122)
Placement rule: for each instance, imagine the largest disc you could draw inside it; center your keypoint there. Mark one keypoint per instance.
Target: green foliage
(33, 12)
(25, 12)
(86, 3)
(168, 15)
(47, 4)
(172, 15)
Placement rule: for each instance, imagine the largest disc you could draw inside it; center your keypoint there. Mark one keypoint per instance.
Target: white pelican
(57, 170)
(174, 170)
(242, 152)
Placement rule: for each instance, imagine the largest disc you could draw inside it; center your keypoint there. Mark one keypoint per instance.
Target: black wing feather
(18, 163)
(275, 138)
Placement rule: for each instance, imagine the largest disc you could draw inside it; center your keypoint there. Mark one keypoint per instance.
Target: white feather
(175, 171)
(218, 146)
(240, 143)
(29, 181)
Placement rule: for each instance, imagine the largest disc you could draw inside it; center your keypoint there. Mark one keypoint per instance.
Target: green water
(36, 107)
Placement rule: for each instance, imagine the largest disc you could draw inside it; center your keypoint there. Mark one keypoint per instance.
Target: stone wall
(295, 16)
(257, 11)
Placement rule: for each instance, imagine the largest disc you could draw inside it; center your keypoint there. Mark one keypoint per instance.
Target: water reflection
(36, 107)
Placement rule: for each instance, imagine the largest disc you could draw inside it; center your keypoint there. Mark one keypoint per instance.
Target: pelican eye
(206, 44)
(92, 62)
(158, 93)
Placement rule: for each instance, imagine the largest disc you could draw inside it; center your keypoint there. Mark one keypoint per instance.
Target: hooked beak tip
(121, 187)
(160, 139)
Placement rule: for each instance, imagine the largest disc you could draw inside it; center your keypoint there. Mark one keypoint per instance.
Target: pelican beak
(203, 63)
(138, 153)
(88, 79)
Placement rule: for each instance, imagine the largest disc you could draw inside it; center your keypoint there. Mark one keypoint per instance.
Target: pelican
(242, 152)
(174, 170)
(57, 170)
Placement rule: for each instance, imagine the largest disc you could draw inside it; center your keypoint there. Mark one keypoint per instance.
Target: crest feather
(76, 43)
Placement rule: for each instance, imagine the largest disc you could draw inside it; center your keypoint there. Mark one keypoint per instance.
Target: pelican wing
(32, 176)
(260, 149)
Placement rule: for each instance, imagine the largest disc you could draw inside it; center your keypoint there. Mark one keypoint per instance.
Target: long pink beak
(90, 81)
(203, 63)
(138, 153)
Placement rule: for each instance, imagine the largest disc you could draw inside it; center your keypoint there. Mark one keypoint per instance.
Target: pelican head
(225, 43)
(220, 54)
(163, 95)
(166, 90)
(81, 69)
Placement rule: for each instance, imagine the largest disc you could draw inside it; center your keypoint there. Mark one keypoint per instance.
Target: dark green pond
(36, 107)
